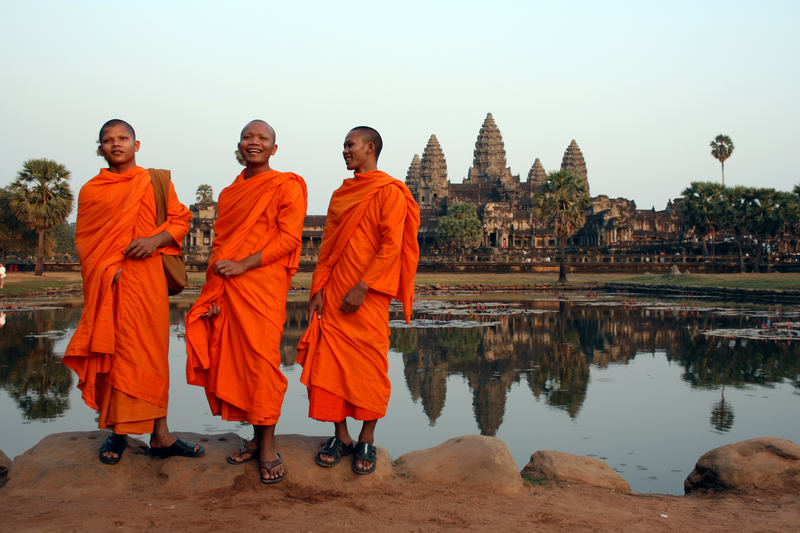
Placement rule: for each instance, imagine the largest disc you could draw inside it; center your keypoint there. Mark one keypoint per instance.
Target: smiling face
(118, 147)
(359, 153)
(257, 145)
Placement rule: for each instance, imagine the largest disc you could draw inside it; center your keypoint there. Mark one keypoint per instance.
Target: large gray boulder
(469, 461)
(762, 463)
(554, 465)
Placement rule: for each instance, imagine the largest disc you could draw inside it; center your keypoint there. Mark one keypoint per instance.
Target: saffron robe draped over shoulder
(370, 236)
(119, 348)
(236, 354)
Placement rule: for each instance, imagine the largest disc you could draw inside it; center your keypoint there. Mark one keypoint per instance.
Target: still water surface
(636, 384)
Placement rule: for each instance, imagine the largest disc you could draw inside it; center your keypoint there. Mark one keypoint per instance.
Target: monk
(119, 348)
(233, 330)
(368, 256)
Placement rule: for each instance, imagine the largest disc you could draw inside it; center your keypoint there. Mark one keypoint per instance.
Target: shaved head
(116, 122)
(259, 121)
(370, 135)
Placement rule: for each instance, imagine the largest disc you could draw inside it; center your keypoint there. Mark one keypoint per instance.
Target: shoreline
(466, 489)
(764, 288)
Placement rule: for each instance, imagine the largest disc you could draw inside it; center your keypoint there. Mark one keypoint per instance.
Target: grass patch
(18, 283)
(773, 281)
(535, 481)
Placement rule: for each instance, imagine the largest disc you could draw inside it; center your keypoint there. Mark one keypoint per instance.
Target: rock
(469, 461)
(5, 464)
(70, 460)
(550, 464)
(762, 463)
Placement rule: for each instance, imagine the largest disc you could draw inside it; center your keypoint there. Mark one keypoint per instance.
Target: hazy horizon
(643, 87)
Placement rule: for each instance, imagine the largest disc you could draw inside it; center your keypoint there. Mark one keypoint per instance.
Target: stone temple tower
(573, 160)
(536, 176)
(413, 176)
(427, 178)
(489, 162)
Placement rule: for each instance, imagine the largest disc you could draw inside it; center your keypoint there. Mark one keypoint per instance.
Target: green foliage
(460, 229)
(42, 195)
(700, 207)
(562, 203)
(204, 193)
(64, 239)
(41, 198)
(721, 149)
(14, 235)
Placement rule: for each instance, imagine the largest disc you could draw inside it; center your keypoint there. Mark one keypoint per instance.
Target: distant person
(2, 275)
(233, 331)
(119, 348)
(368, 256)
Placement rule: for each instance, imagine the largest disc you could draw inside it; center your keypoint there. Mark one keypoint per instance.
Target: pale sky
(643, 86)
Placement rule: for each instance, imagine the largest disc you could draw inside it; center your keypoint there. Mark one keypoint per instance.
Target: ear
(274, 149)
(136, 146)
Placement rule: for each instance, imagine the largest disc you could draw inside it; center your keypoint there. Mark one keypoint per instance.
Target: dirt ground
(403, 507)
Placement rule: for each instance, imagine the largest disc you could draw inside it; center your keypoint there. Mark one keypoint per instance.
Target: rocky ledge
(483, 463)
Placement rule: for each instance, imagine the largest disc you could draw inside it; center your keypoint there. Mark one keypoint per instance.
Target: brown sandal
(268, 466)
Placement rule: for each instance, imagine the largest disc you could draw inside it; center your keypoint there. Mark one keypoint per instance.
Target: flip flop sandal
(336, 448)
(365, 452)
(179, 448)
(114, 444)
(268, 466)
(251, 454)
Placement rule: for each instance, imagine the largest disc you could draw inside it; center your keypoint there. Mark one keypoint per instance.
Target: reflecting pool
(646, 385)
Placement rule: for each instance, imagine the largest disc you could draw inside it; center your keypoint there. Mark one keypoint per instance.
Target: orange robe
(119, 348)
(236, 354)
(370, 236)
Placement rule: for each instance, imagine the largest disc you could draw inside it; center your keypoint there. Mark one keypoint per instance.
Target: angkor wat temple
(505, 203)
(512, 231)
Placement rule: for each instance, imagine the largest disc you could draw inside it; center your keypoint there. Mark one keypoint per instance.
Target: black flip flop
(365, 452)
(179, 448)
(336, 448)
(114, 444)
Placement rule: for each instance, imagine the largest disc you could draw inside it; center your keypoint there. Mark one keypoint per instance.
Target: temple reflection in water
(550, 345)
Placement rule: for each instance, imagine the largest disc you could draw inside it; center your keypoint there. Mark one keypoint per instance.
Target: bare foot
(242, 455)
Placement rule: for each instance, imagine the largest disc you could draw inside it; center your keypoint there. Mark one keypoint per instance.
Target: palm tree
(699, 209)
(562, 203)
(204, 193)
(42, 199)
(721, 149)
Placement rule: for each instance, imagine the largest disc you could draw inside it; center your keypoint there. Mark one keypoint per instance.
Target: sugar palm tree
(562, 203)
(721, 149)
(42, 199)
(204, 193)
(699, 210)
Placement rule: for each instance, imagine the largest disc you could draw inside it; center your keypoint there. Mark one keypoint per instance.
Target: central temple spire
(489, 160)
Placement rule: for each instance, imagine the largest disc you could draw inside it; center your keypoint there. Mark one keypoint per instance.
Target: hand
(141, 248)
(227, 268)
(213, 310)
(354, 298)
(315, 306)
